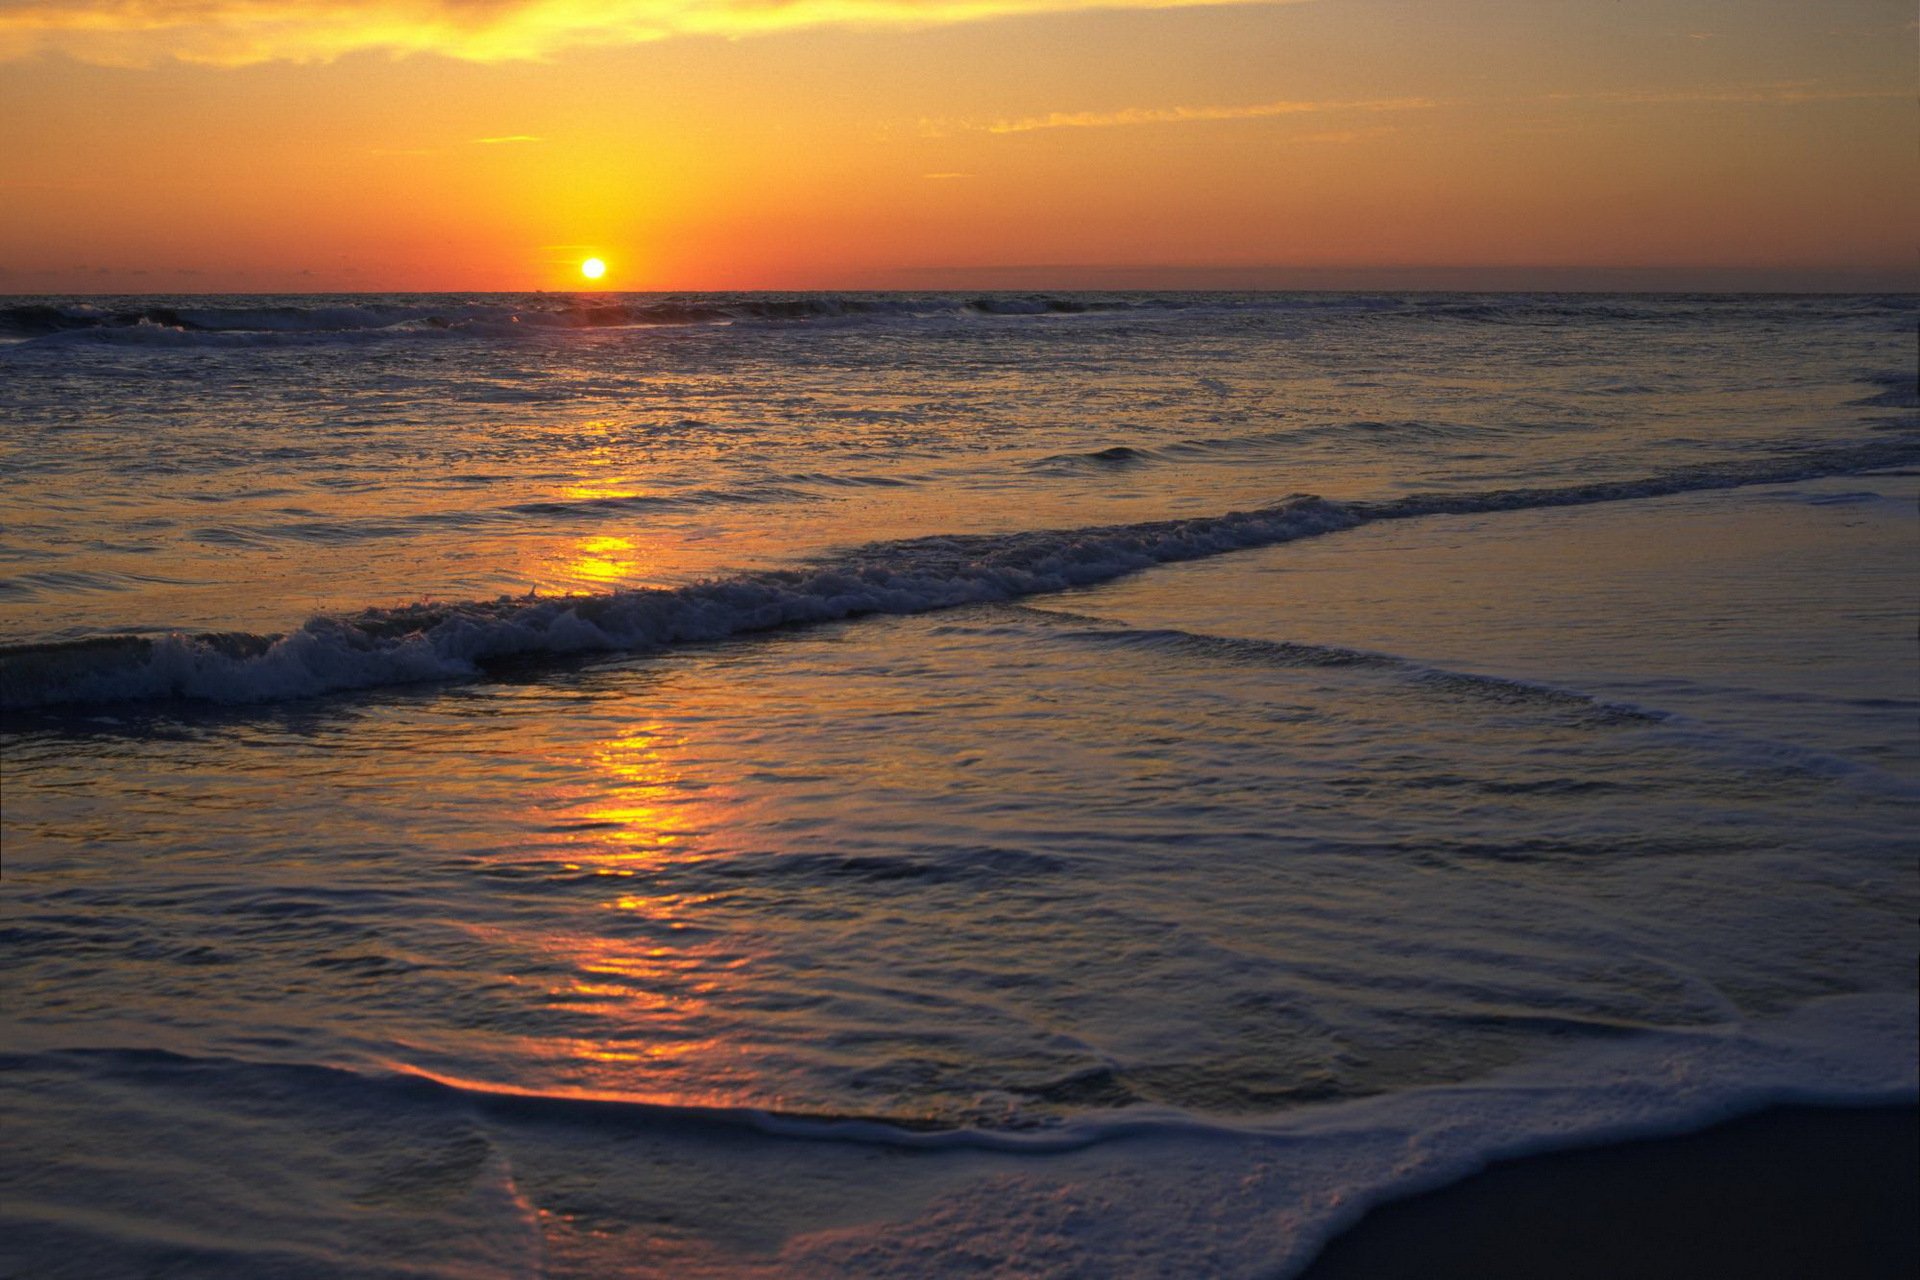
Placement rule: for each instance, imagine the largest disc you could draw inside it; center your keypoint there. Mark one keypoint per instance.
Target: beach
(1790, 1192)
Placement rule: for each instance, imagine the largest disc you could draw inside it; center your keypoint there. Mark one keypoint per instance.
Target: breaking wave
(427, 642)
(1275, 1188)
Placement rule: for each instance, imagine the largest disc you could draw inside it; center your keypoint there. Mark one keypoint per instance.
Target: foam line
(453, 641)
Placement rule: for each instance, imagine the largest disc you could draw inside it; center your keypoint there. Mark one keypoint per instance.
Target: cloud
(506, 137)
(240, 32)
(1786, 95)
(1186, 115)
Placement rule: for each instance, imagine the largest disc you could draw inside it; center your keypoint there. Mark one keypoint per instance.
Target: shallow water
(944, 805)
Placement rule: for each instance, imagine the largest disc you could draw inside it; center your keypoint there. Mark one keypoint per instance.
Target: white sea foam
(1164, 1196)
(1138, 1193)
(1293, 1183)
(441, 642)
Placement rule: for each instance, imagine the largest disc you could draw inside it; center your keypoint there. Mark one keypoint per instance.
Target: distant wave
(348, 530)
(450, 641)
(1118, 455)
(190, 322)
(798, 487)
(240, 322)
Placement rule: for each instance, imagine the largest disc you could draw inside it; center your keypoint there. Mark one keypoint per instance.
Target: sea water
(869, 785)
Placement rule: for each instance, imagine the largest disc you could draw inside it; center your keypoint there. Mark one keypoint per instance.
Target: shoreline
(1794, 1191)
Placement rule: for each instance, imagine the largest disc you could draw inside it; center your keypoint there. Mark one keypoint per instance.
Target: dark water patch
(362, 964)
(1114, 456)
(1092, 1087)
(1898, 389)
(1599, 851)
(936, 866)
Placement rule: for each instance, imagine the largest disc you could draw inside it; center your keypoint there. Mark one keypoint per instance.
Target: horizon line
(1123, 278)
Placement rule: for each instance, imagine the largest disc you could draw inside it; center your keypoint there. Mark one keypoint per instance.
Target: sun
(593, 268)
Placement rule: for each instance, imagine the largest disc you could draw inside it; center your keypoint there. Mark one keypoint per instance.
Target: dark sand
(1808, 1193)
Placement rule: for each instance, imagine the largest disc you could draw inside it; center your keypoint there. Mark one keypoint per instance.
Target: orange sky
(264, 145)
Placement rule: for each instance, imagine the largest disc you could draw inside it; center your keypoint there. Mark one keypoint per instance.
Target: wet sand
(1808, 1193)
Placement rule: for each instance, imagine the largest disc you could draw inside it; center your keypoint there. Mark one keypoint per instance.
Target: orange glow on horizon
(947, 146)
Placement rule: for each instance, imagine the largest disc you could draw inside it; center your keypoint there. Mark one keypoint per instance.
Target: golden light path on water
(606, 559)
(648, 992)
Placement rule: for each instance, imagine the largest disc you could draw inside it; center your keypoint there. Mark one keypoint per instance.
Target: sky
(152, 146)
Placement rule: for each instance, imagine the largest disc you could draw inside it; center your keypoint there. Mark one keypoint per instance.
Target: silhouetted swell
(450, 641)
(32, 320)
(482, 315)
(1119, 455)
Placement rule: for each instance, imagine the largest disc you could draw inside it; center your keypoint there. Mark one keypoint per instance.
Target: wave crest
(450, 641)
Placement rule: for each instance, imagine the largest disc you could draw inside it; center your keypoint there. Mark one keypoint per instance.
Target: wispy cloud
(1787, 95)
(240, 32)
(506, 137)
(1189, 115)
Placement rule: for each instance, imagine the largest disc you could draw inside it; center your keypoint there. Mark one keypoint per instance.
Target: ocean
(913, 786)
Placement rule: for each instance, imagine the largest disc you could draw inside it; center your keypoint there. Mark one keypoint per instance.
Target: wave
(1113, 456)
(348, 530)
(1582, 707)
(428, 642)
(258, 321)
(803, 486)
(1882, 1071)
(1137, 1190)
(411, 1085)
(241, 323)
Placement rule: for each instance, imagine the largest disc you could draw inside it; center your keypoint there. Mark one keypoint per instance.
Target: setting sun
(593, 268)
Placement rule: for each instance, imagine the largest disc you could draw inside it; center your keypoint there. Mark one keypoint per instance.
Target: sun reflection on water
(642, 985)
(601, 560)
